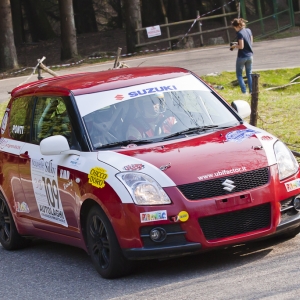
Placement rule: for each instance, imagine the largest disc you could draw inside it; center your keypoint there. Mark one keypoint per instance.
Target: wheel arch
(84, 210)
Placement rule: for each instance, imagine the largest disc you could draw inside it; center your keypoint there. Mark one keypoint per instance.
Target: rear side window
(20, 118)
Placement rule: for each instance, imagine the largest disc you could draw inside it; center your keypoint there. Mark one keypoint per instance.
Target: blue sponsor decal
(165, 88)
(240, 135)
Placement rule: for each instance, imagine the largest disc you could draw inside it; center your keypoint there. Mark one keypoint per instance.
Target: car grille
(213, 188)
(237, 222)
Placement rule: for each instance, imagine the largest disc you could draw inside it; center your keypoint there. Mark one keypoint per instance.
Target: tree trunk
(192, 9)
(85, 18)
(8, 54)
(68, 31)
(117, 6)
(132, 18)
(40, 24)
(174, 11)
(17, 18)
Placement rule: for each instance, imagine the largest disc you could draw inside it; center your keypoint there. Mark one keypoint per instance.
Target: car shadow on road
(211, 261)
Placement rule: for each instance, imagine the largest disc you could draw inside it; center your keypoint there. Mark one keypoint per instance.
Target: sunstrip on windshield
(88, 103)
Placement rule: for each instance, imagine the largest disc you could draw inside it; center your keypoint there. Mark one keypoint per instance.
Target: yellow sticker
(97, 177)
(183, 216)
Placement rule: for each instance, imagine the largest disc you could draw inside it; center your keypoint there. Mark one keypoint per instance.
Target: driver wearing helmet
(151, 120)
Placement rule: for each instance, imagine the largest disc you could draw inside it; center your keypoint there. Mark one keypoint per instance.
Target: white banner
(153, 31)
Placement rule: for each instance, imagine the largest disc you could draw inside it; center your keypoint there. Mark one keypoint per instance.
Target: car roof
(91, 82)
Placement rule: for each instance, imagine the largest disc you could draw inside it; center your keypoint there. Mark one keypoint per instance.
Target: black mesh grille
(237, 222)
(213, 188)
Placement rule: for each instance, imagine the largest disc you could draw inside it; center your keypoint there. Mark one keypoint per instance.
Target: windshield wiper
(191, 130)
(124, 143)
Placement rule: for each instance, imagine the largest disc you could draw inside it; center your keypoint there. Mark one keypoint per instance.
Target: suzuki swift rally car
(139, 163)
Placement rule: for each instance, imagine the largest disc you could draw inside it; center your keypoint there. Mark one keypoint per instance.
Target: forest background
(66, 31)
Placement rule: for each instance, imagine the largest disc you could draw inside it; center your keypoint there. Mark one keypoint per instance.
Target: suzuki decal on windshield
(152, 90)
(45, 187)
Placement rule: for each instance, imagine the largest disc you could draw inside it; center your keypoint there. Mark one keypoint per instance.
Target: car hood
(218, 154)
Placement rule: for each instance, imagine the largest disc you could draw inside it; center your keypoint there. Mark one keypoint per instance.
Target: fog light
(158, 234)
(296, 203)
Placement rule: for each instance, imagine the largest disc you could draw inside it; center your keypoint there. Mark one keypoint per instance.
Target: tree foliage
(37, 20)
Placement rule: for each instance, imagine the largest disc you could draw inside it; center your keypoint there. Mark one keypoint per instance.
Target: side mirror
(242, 108)
(54, 145)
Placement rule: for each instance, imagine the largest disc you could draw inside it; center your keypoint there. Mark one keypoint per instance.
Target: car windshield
(151, 112)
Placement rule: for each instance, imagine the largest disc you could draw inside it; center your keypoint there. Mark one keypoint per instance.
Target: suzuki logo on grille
(228, 185)
(119, 97)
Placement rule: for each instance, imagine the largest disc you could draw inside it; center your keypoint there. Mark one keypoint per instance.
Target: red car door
(49, 187)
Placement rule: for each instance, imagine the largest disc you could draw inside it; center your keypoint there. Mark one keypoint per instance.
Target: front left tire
(104, 247)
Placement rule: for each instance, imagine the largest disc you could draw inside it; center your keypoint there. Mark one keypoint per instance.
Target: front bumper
(215, 222)
(161, 252)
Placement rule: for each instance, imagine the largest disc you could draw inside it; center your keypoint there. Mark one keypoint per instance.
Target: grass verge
(278, 109)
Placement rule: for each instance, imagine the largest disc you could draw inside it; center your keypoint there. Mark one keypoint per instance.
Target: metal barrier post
(254, 99)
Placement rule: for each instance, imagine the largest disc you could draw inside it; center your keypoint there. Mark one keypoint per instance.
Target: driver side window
(51, 118)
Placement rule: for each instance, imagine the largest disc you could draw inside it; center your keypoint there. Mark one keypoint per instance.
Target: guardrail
(199, 33)
(275, 22)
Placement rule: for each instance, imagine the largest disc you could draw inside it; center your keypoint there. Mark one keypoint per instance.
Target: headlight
(143, 189)
(286, 162)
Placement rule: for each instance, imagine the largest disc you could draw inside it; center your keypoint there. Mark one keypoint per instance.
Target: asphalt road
(275, 54)
(263, 270)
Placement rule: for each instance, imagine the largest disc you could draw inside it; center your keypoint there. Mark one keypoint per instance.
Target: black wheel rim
(4, 222)
(100, 246)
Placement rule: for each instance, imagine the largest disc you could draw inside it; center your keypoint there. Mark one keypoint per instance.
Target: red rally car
(139, 163)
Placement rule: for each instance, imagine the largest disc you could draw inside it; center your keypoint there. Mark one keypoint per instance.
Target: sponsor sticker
(22, 207)
(183, 216)
(76, 161)
(64, 174)
(266, 138)
(221, 173)
(240, 135)
(158, 215)
(134, 167)
(69, 183)
(18, 129)
(45, 187)
(11, 146)
(292, 185)
(4, 123)
(97, 177)
(119, 97)
(152, 90)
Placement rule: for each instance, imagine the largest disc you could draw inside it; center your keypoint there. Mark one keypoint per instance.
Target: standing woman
(244, 39)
